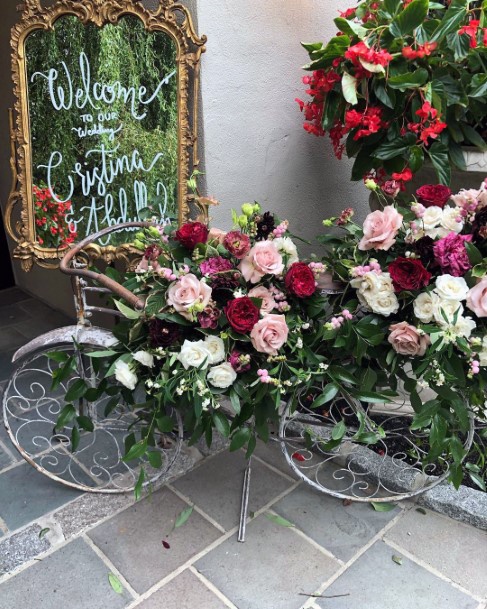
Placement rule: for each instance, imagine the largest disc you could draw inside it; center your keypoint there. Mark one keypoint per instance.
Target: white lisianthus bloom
(432, 217)
(464, 326)
(125, 375)
(222, 376)
(376, 292)
(286, 247)
(451, 288)
(216, 347)
(446, 309)
(449, 220)
(424, 306)
(195, 355)
(144, 358)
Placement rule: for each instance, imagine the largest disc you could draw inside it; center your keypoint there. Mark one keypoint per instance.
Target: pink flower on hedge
(451, 254)
(215, 265)
(380, 229)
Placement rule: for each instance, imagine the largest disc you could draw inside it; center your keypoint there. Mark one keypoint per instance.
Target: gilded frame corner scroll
(170, 17)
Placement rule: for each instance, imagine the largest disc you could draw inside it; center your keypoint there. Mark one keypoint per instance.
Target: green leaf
(389, 150)
(183, 517)
(139, 485)
(323, 58)
(349, 88)
(127, 311)
(67, 414)
(409, 80)
(409, 18)
(312, 46)
(240, 438)
(474, 254)
(115, 583)
(328, 393)
(391, 6)
(85, 423)
(76, 390)
(363, 164)
(332, 103)
(58, 356)
(44, 532)
(473, 137)
(235, 400)
(221, 423)
(106, 353)
(478, 480)
(279, 520)
(155, 458)
(75, 439)
(350, 27)
(438, 154)
(339, 431)
(416, 158)
(455, 152)
(421, 511)
(136, 451)
(451, 20)
(383, 506)
(387, 97)
(165, 424)
(397, 559)
(342, 374)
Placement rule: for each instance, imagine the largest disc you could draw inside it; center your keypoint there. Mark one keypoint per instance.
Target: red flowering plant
(227, 314)
(52, 228)
(403, 81)
(413, 309)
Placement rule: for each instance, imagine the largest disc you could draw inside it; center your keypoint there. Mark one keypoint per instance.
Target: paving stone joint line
(218, 593)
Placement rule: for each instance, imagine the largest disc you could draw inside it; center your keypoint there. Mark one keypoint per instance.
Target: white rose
(286, 247)
(384, 303)
(216, 347)
(449, 220)
(424, 306)
(222, 376)
(124, 375)
(451, 288)
(448, 309)
(144, 358)
(432, 217)
(376, 292)
(195, 354)
(464, 327)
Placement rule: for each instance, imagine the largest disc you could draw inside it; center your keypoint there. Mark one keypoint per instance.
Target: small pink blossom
(167, 274)
(347, 315)
(418, 209)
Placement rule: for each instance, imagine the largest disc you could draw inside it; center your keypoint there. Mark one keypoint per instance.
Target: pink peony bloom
(268, 302)
(406, 339)
(263, 259)
(451, 255)
(215, 265)
(380, 229)
(237, 243)
(269, 334)
(187, 292)
(477, 298)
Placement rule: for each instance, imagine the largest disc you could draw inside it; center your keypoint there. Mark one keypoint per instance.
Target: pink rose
(187, 292)
(269, 334)
(380, 229)
(216, 234)
(268, 302)
(406, 339)
(477, 298)
(451, 254)
(263, 259)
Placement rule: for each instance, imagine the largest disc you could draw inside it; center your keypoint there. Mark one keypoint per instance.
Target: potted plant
(403, 83)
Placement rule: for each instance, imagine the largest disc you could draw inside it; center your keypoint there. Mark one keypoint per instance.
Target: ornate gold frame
(170, 17)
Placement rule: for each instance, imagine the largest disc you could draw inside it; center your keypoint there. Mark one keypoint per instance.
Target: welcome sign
(103, 113)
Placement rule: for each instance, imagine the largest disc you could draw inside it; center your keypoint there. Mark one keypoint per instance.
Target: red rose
(300, 280)
(433, 194)
(237, 244)
(192, 233)
(242, 314)
(408, 274)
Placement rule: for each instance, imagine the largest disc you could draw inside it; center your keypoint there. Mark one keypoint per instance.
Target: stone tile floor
(335, 556)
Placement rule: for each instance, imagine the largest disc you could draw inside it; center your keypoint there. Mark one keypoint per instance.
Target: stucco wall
(254, 146)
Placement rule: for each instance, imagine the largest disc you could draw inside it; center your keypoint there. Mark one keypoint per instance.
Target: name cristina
(65, 96)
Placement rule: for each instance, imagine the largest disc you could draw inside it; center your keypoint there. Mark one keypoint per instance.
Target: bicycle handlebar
(102, 279)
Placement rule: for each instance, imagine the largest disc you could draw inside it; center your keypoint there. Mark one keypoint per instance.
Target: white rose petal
(424, 306)
(464, 327)
(446, 309)
(449, 220)
(432, 217)
(195, 355)
(125, 375)
(451, 288)
(376, 292)
(222, 376)
(144, 358)
(286, 247)
(216, 347)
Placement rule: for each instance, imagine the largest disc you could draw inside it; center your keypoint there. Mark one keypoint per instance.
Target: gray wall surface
(254, 145)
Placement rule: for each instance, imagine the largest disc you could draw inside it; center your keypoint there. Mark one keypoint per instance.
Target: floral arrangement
(402, 82)
(414, 283)
(227, 315)
(52, 229)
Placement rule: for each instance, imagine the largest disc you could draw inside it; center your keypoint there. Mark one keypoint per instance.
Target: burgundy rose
(424, 249)
(237, 244)
(433, 194)
(451, 254)
(209, 317)
(408, 274)
(163, 333)
(242, 314)
(215, 265)
(300, 280)
(192, 233)
(479, 225)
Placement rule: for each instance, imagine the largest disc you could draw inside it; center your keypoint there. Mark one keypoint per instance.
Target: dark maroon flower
(209, 317)
(424, 249)
(408, 274)
(152, 252)
(265, 226)
(242, 314)
(479, 225)
(237, 244)
(239, 361)
(192, 233)
(433, 194)
(163, 333)
(300, 280)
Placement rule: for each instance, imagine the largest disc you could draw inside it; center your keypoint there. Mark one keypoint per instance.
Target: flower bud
(371, 185)
(154, 231)
(140, 236)
(248, 209)
(139, 245)
(243, 221)
(256, 208)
